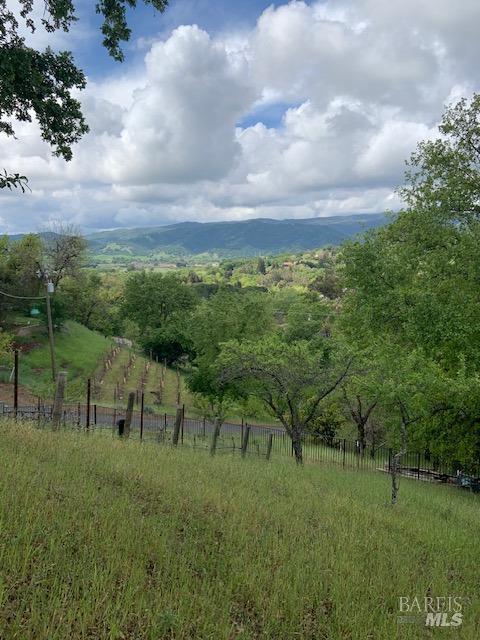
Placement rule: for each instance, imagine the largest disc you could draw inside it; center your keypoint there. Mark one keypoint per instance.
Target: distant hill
(243, 238)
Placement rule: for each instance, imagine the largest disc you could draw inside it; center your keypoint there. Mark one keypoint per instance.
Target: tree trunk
(394, 475)
(361, 438)
(297, 444)
(395, 465)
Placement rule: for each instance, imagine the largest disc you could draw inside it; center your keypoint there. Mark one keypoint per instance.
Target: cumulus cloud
(365, 81)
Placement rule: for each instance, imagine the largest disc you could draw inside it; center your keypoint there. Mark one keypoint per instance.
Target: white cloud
(367, 80)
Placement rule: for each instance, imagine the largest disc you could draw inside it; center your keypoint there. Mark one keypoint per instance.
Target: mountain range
(238, 238)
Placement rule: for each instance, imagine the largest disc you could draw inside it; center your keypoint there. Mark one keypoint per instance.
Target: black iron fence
(261, 438)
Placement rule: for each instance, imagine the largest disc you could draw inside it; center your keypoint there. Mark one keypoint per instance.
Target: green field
(105, 539)
(78, 350)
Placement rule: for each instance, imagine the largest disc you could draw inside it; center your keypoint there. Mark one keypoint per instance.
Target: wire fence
(262, 440)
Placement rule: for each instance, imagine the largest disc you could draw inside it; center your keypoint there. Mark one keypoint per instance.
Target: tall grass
(109, 539)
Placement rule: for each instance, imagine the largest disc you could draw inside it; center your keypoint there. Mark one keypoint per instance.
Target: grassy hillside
(240, 238)
(78, 351)
(104, 539)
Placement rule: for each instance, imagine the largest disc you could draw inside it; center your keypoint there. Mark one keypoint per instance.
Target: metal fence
(199, 432)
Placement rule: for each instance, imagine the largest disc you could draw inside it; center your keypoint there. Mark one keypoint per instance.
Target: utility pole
(50, 290)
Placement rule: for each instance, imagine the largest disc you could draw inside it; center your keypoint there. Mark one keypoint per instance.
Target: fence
(262, 440)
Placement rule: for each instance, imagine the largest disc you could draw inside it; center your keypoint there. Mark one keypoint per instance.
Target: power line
(9, 295)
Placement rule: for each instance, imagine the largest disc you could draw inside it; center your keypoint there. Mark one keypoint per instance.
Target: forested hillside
(245, 238)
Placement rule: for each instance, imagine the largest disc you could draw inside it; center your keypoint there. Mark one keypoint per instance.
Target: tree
(42, 83)
(88, 300)
(443, 177)
(160, 305)
(360, 392)
(64, 252)
(412, 389)
(415, 281)
(292, 380)
(328, 284)
(261, 268)
(22, 260)
(308, 319)
(150, 299)
(229, 315)
(6, 348)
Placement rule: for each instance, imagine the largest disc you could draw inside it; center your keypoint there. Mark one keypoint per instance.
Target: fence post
(269, 446)
(58, 400)
(216, 433)
(177, 426)
(246, 436)
(183, 421)
(128, 415)
(142, 401)
(15, 384)
(95, 414)
(89, 392)
(344, 450)
(418, 466)
(204, 430)
(389, 459)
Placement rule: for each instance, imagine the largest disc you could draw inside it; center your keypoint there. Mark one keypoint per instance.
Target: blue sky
(214, 16)
(234, 110)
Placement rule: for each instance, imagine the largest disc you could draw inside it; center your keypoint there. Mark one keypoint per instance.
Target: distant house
(288, 264)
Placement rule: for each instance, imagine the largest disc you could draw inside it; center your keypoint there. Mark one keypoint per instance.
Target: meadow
(77, 349)
(109, 539)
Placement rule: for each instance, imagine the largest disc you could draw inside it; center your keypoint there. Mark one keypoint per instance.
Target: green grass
(78, 350)
(104, 539)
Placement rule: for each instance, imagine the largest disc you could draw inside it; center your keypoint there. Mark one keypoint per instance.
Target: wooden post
(15, 384)
(177, 426)
(94, 414)
(183, 421)
(246, 436)
(89, 393)
(141, 415)
(344, 450)
(58, 401)
(269, 446)
(128, 416)
(216, 433)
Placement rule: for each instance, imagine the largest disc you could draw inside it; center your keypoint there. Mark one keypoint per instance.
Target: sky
(234, 110)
